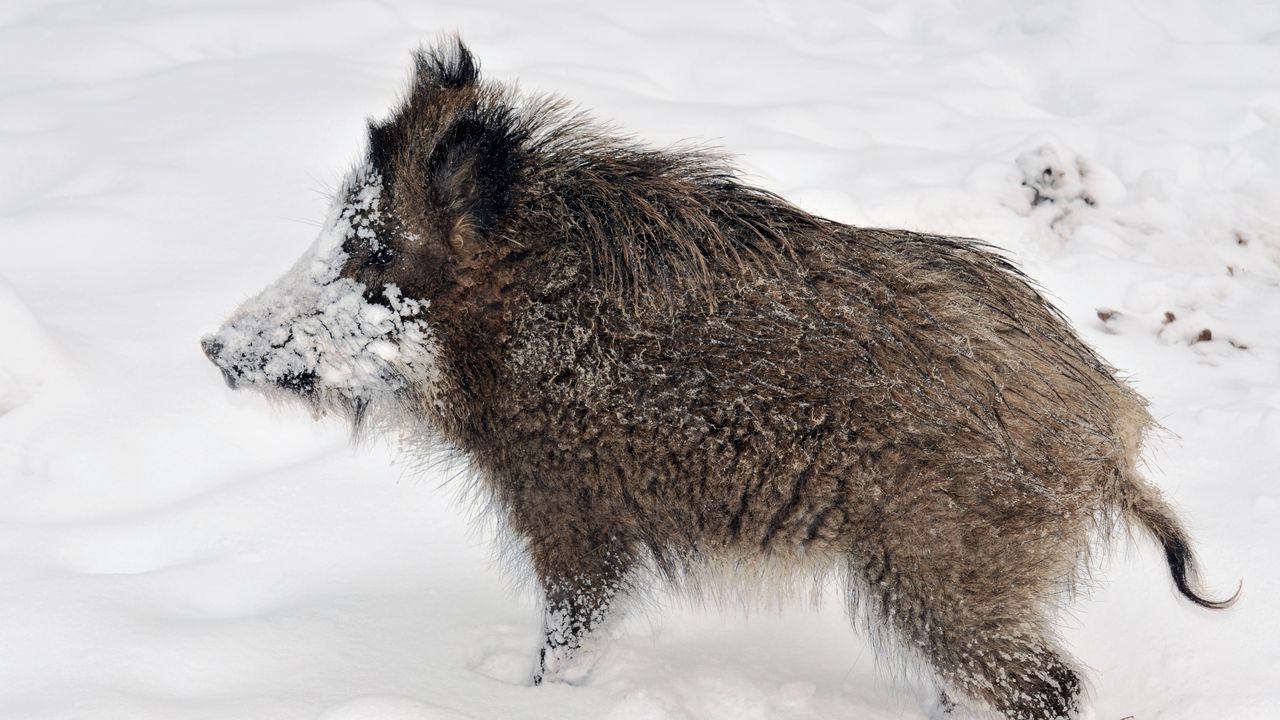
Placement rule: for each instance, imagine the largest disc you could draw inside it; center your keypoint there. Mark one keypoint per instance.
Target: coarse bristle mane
(660, 223)
(653, 223)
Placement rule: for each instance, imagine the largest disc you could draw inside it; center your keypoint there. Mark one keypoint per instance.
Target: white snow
(172, 550)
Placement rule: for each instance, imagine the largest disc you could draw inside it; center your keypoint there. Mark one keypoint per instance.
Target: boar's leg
(946, 706)
(987, 642)
(582, 572)
(1020, 677)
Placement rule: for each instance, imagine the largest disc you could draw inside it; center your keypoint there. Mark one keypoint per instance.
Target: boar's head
(409, 254)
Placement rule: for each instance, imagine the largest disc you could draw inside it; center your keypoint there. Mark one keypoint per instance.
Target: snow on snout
(316, 325)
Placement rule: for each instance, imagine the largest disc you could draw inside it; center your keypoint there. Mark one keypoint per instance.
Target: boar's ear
(472, 173)
(383, 146)
(447, 64)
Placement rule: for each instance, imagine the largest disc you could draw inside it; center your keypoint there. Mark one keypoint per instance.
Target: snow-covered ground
(171, 550)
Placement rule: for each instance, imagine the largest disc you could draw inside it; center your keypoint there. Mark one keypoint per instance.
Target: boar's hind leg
(582, 573)
(987, 648)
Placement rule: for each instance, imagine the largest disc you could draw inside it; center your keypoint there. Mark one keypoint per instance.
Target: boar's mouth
(301, 383)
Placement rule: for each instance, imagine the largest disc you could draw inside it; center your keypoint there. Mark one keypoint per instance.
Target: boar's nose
(211, 350)
(211, 347)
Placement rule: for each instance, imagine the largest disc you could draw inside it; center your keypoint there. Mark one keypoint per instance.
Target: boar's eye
(381, 258)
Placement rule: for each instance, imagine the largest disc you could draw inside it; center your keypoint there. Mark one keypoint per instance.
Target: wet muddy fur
(659, 372)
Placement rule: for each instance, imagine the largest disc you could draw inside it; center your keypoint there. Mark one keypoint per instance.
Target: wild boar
(657, 370)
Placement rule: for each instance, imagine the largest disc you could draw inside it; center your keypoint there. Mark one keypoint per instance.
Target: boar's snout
(212, 348)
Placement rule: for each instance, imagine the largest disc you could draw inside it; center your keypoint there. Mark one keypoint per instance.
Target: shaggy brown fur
(655, 367)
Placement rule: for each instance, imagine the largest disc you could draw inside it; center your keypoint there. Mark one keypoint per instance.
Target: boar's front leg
(582, 571)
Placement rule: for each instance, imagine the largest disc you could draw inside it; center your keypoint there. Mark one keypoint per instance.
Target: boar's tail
(1143, 503)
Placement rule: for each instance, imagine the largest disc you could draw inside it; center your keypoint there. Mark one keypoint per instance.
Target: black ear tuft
(447, 64)
(383, 145)
(474, 168)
